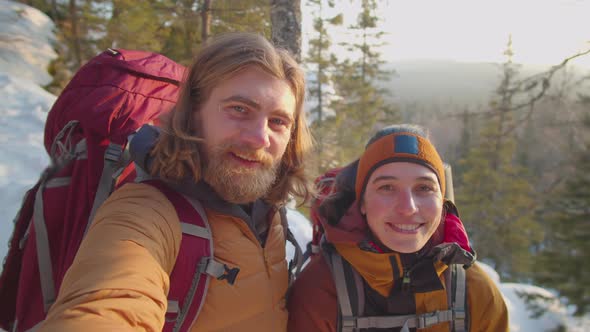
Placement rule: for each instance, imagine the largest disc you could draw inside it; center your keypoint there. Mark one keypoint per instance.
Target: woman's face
(403, 205)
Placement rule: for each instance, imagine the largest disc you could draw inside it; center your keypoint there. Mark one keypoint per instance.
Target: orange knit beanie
(398, 147)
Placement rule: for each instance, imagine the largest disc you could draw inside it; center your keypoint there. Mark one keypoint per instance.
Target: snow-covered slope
(26, 35)
(25, 52)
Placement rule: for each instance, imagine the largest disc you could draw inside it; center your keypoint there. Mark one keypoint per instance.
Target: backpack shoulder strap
(59, 159)
(187, 295)
(297, 262)
(351, 300)
(458, 302)
(349, 288)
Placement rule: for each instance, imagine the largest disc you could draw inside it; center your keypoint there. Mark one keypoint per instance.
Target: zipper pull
(406, 281)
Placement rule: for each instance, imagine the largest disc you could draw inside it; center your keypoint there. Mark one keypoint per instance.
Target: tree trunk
(75, 38)
(205, 21)
(54, 10)
(285, 17)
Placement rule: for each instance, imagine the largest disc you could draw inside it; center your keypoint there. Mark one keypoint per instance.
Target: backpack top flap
(115, 93)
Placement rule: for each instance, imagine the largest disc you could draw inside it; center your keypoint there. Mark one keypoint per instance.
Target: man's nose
(405, 203)
(256, 134)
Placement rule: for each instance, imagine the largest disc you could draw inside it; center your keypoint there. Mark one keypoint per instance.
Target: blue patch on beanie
(406, 144)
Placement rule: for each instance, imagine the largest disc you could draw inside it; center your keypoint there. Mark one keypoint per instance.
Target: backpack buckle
(428, 319)
(230, 274)
(348, 322)
(218, 270)
(459, 314)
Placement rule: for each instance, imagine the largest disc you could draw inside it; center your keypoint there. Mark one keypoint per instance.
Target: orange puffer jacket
(120, 278)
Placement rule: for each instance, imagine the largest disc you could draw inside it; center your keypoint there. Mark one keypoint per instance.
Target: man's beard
(237, 184)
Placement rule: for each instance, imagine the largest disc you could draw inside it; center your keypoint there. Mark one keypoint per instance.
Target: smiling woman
(403, 205)
(398, 257)
(400, 185)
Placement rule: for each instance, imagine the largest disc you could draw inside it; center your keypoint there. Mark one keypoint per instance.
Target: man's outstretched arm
(120, 277)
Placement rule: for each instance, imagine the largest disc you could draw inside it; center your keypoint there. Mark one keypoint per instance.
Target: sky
(543, 31)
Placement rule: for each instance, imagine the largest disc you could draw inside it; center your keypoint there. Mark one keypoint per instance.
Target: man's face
(403, 205)
(246, 124)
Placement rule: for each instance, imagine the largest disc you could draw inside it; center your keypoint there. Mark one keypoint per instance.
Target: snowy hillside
(25, 42)
(25, 51)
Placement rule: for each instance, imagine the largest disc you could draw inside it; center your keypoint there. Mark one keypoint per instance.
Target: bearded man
(235, 142)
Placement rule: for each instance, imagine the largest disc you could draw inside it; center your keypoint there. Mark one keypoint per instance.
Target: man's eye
(278, 122)
(238, 109)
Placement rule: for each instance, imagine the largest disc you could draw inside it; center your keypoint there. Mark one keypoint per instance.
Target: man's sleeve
(488, 311)
(119, 279)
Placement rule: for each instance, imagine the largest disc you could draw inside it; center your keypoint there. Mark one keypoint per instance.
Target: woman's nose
(405, 203)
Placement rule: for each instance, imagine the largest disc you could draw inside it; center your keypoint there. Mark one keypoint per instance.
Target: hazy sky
(543, 31)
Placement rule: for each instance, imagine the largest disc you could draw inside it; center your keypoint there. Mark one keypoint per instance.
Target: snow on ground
(26, 35)
(25, 52)
(526, 301)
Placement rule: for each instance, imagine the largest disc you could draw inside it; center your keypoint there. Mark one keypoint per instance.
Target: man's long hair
(177, 154)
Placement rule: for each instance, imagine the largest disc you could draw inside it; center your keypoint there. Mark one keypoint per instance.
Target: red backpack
(86, 135)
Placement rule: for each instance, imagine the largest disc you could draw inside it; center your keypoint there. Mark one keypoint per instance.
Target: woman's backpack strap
(349, 288)
(351, 300)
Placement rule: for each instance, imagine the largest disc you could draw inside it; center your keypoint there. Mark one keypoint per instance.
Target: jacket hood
(384, 272)
(339, 214)
(353, 228)
(141, 144)
(349, 234)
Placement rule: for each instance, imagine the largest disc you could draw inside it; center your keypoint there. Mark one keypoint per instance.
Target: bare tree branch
(542, 80)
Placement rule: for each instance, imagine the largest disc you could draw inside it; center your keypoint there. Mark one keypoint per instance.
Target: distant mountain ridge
(463, 84)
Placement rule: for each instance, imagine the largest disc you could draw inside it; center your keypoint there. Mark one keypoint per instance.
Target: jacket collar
(385, 272)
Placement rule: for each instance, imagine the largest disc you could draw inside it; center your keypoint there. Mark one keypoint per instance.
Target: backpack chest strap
(350, 294)
(405, 321)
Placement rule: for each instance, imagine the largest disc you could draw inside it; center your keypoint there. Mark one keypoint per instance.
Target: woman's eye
(386, 187)
(425, 188)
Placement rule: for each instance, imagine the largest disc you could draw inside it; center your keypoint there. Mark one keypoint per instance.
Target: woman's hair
(341, 196)
(177, 153)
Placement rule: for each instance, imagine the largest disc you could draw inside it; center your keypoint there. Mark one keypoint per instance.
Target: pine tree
(562, 262)
(362, 107)
(80, 27)
(321, 63)
(466, 141)
(243, 15)
(136, 25)
(496, 200)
